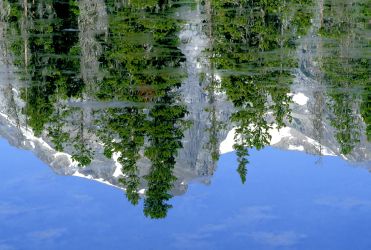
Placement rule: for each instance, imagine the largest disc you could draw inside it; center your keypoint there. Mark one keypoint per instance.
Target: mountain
(194, 160)
(209, 109)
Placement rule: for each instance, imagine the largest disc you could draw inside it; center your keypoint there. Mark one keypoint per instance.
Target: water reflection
(140, 94)
(345, 70)
(253, 51)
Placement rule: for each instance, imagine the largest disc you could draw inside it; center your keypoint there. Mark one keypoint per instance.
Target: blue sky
(287, 202)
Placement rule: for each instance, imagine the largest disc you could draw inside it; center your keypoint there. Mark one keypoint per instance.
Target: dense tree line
(253, 50)
(346, 70)
(141, 63)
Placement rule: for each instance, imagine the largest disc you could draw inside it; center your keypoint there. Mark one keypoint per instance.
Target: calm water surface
(185, 124)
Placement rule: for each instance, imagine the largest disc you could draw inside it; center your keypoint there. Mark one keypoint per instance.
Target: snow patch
(217, 78)
(279, 134)
(300, 99)
(101, 180)
(299, 148)
(226, 146)
(28, 134)
(324, 150)
(118, 171)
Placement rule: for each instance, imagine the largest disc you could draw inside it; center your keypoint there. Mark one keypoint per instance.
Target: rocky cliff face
(311, 129)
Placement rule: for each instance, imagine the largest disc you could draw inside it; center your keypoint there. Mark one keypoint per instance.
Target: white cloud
(280, 239)
(4, 246)
(47, 234)
(203, 237)
(254, 214)
(7, 209)
(343, 203)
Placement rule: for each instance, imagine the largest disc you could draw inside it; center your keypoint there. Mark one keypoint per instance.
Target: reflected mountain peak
(145, 95)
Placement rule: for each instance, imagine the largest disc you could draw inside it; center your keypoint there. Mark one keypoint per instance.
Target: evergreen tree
(253, 50)
(346, 70)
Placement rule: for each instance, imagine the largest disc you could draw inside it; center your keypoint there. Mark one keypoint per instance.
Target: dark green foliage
(58, 136)
(164, 134)
(347, 75)
(141, 57)
(242, 154)
(366, 110)
(44, 45)
(253, 50)
(122, 131)
(142, 65)
(82, 154)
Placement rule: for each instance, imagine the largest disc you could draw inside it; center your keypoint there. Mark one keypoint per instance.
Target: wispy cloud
(47, 234)
(277, 239)
(83, 197)
(4, 246)
(343, 203)
(8, 209)
(252, 214)
(195, 240)
(202, 238)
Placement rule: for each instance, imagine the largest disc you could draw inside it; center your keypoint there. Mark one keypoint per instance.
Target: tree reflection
(164, 134)
(141, 67)
(122, 132)
(346, 71)
(253, 50)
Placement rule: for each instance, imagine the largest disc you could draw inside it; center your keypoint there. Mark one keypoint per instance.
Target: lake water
(185, 124)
